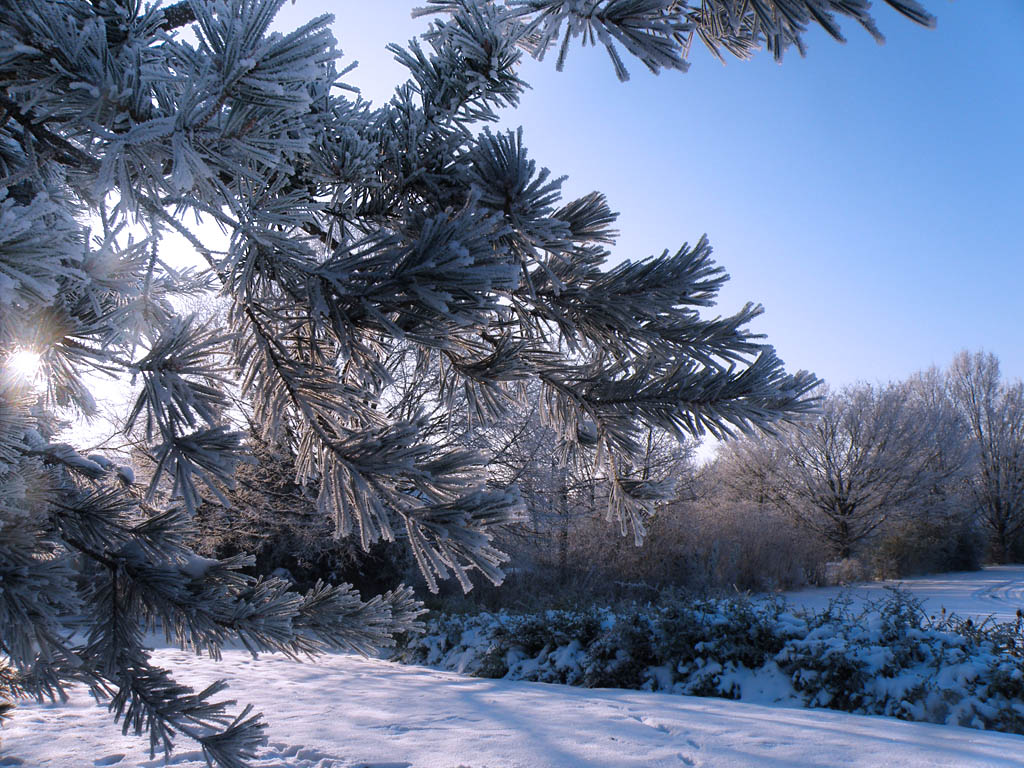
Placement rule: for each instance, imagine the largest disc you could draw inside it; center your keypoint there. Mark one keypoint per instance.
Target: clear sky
(869, 196)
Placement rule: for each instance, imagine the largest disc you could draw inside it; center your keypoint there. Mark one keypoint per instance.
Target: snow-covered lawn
(349, 712)
(996, 591)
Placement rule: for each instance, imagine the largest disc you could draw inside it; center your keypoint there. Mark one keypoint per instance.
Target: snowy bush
(889, 658)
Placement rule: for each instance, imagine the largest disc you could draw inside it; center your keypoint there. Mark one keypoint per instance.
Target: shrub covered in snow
(888, 658)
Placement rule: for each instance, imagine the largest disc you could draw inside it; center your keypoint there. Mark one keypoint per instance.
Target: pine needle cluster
(356, 235)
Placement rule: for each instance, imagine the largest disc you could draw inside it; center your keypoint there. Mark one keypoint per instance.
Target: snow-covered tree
(873, 452)
(354, 232)
(994, 412)
(562, 498)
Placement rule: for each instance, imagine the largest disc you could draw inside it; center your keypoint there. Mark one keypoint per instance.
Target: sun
(24, 365)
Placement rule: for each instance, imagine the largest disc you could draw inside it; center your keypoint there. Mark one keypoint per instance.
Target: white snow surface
(996, 591)
(348, 712)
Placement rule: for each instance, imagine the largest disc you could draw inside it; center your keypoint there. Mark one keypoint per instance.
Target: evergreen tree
(356, 233)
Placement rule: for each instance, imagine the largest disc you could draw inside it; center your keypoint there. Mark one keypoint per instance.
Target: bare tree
(951, 462)
(873, 452)
(562, 492)
(995, 414)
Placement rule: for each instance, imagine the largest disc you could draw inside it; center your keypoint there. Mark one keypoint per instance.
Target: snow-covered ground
(349, 712)
(996, 591)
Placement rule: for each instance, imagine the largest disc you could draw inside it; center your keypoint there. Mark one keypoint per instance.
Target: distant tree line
(923, 474)
(887, 480)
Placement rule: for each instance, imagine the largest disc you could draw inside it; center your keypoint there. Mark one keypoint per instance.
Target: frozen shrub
(912, 547)
(620, 656)
(849, 570)
(888, 658)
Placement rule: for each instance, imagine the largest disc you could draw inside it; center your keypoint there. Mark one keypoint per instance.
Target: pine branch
(179, 14)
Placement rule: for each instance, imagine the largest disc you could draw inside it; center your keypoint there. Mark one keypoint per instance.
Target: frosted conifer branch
(367, 244)
(659, 32)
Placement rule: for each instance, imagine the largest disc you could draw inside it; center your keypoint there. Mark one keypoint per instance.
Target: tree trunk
(562, 502)
(844, 545)
(1000, 542)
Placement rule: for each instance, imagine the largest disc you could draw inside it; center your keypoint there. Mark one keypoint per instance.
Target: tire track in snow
(1007, 593)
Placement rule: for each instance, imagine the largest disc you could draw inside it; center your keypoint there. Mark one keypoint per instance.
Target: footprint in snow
(300, 757)
(398, 728)
(660, 727)
(176, 758)
(108, 760)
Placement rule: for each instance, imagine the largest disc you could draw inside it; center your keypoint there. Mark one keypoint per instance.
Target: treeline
(915, 476)
(887, 481)
(920, 475)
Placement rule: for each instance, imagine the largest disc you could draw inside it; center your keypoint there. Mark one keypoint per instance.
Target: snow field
(996, 591)
(348, 712)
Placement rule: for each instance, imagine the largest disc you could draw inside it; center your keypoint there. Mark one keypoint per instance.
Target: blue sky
(869, 196)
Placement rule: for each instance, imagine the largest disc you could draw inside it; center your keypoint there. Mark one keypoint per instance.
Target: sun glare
(25, 365)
